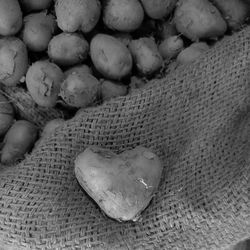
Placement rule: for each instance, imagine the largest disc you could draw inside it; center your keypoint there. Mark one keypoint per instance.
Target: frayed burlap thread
(197, 119)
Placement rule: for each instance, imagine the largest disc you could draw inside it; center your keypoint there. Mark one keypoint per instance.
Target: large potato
(11, 18)
(80, 90)
(67, 49)
(198, 19)
(110, 56)
(123, 15)
(38, 30)
(13, 60)
(157, 9)
(73, 15)
(122, 185)
(18, 141)
(35, 5)
(43, 81)
(234, 12)
(146, 55)
(6, 115)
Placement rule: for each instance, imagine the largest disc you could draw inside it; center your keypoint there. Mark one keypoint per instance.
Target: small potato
(235, 12)
(38, 30)
(157, 9)
(51, 126)
(198, 19)
(80, 90)
(67, 49)
(146, 55)
(76, 15)
(167, 29)
(110, 57)
(35, 5)
(112, 89)
(43, 81)
(18, 141)
(191, 53)
(171, 47)
(13, 60)
(6, 115)
(123, 15)
(11, 18)
(80, 69)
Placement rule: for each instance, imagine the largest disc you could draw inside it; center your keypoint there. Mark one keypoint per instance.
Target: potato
(76, 15)
(18, 141)
(122, 185)
(80, 90)
(167, 29)
(111, 89)
(81, 69)
(171, 47)
(13, 60)
(6, 115)
(235, 12)
(38, 30)
(123, 15)
(110, 57)
(197, 19)
(35, 5)
(191, 53)
(43, 82)
(11, 18)
(67, 49)
(157, 9)
(146, 55)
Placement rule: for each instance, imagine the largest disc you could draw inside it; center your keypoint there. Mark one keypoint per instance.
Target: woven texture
(197, 119)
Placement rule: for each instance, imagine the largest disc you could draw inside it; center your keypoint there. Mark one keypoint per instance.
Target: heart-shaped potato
(122, 185)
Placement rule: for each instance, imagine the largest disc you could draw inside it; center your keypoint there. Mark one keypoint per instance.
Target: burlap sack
(197, 119)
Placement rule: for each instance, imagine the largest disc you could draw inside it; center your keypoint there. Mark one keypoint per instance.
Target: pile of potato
(78, 53)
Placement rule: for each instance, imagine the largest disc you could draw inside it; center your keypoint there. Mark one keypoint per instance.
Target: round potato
(35, 5)
(13, 60)
(110, 89)
(110, 56)
(11, 18)
(18, 141)
(157, 9)
(76, 15)
(6, 115)
(80, 90)
(67, 49)
(43, 81)
(80, 69)
(146, 55)
(171, 47)
(123, 15)
(38, 30)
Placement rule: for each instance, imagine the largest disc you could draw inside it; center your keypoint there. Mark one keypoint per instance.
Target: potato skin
(157, 9)
(110, 57)
(38, 30)
(43, 81)
(13, 60)
(110, 89)
(198, 19)
(146, 55)
(11, 17)
(76, 15)
(171, 47)
(79, 90)
(67, 49)
(18, 141)
(234, 12)
(191, 53)
(35, 5)
(80, 69)
(123, 15)
(6, 115)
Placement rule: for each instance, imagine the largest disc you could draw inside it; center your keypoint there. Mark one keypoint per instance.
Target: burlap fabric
(197, 119)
